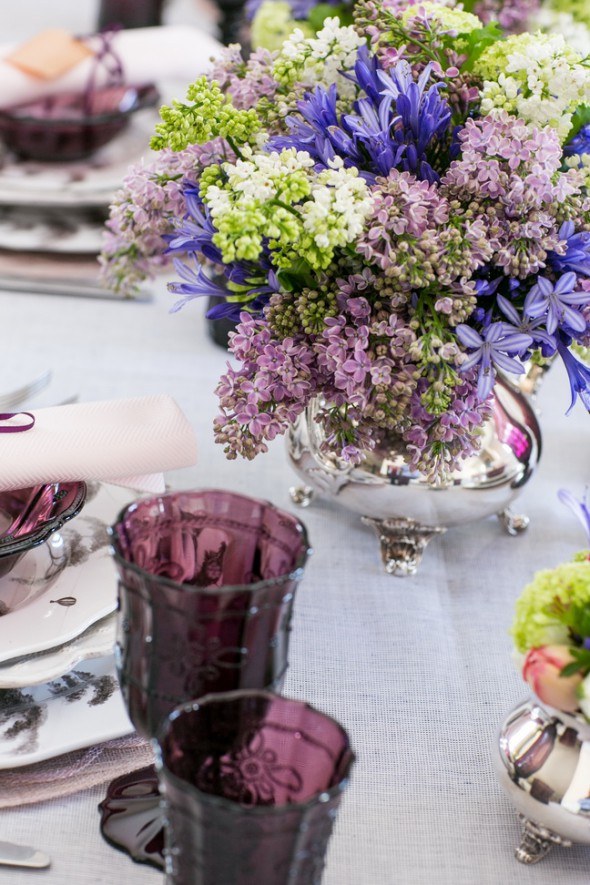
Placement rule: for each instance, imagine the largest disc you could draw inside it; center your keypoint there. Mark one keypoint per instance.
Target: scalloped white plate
(78, 710)
(96, 642)
(62, 587)
(90, 182)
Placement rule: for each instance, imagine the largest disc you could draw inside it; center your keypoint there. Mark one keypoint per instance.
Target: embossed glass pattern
(29, 516)
(206, 587)
(251, 784)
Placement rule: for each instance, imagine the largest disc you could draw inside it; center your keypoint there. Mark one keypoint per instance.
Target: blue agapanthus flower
(396, 123)
(250, 284)
(580, 143)
(577, 254)
(556, 303)
(578, 376)
(494, 348)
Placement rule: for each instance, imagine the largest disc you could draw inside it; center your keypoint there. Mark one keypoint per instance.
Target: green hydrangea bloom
(273, 23)
(450, 19)
(533, 626)
(210, 114)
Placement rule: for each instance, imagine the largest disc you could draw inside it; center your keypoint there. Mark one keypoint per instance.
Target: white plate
(60, 588)
(96, 642)
(53, 231)
(90, 182)
(78, 710)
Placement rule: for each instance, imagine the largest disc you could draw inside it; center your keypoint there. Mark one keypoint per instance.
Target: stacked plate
(58, 684)
(52, 214)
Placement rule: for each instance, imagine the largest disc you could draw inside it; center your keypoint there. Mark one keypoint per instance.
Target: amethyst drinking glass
(251, 784)
(206, 587)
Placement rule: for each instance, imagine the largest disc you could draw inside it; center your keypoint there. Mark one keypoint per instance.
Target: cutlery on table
(12, 855)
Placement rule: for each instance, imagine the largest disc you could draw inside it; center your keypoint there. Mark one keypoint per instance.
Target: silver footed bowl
(401, 505)
(543, 764)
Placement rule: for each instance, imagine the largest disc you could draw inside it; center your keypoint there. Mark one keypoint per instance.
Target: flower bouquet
(389, 210)
(551, 629)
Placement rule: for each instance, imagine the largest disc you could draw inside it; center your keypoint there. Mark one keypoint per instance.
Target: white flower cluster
(537, 77)
(552, 21)
(339, 203)
(319, 60)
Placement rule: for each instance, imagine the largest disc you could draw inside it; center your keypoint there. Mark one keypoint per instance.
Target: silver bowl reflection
(543, 764)
(402, 506)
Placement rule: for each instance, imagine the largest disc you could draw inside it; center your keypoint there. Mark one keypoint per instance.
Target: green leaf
(296, 277)
(322, 11)
(475, 43)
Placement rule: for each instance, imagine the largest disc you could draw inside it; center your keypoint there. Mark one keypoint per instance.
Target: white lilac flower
(319, 60)
(536, 77)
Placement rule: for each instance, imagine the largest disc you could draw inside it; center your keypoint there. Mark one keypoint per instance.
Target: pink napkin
(127, 442)
(148, 54)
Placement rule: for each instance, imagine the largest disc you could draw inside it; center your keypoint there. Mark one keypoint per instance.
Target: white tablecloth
(417, 669)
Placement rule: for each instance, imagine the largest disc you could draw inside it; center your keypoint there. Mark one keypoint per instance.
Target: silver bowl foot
(514, 523)
(403, 541)
(536, 842)
(301, 495)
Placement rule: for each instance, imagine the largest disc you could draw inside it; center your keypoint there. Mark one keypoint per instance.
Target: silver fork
(21, 394)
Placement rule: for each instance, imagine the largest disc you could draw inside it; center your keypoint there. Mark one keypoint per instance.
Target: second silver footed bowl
(543, 764)
(401, 505)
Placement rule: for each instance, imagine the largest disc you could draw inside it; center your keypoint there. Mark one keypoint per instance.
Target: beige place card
(49, 54)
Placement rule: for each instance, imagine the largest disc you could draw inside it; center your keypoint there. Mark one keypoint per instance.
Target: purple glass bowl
(72, 126)
(29, 516)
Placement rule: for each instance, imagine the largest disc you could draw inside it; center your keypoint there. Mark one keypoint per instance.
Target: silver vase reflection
(543, 763)
(400, 504)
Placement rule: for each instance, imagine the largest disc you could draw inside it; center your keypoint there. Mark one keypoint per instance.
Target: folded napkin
(173, 52)
(73, 772)
(127, 442)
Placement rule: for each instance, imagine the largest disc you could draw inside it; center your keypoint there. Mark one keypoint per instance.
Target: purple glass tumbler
(251, 784)
(206, 587)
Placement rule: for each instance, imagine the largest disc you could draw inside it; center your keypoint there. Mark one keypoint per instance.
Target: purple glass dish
(29, 516)
(71, 126)
(131, 817)
(207, 581)
(251, 783)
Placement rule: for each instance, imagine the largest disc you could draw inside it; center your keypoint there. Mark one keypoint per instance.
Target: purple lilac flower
(496, 348)
(511, 15)
(577, 251)
(554, 301)
(580, 507)
(578, 376)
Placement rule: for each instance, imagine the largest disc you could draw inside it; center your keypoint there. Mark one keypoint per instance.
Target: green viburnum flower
(536, 77)
(210, 115)
(273, 23)
(534, 623)
(279, 198)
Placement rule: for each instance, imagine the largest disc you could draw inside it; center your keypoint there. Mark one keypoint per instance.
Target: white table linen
(417, 669)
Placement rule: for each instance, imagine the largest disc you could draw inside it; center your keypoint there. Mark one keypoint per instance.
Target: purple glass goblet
(251, 783)
(206, 587)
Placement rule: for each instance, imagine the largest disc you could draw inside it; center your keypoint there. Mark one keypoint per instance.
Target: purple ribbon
(16, 428)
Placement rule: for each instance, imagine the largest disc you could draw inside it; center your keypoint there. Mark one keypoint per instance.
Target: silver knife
(21, 856)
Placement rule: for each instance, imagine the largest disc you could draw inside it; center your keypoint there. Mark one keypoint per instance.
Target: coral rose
(541, 669)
